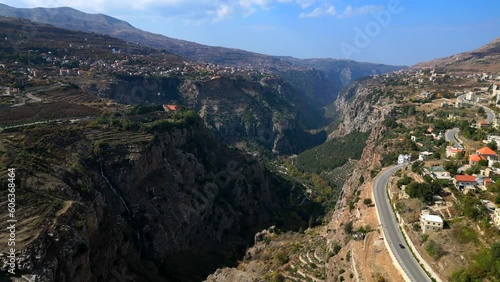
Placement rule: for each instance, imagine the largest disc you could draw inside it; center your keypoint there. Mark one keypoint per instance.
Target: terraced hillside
(153, 178)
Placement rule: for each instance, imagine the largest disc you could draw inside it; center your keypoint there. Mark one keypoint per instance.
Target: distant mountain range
(321, 79)
(485, 58)
(70, 18)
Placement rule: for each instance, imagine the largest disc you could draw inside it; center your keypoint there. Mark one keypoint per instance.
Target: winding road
(451, 135)
(490, 115)
(392, 233)
(33, 98)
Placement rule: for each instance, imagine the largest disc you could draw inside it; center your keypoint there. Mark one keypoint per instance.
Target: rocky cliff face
(262, 114)
(367, 260)
(360, 106)
(115, 204)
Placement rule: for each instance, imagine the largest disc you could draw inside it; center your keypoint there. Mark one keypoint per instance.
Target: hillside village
(448, 197)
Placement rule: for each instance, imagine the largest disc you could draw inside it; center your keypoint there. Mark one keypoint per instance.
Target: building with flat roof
(430, 222)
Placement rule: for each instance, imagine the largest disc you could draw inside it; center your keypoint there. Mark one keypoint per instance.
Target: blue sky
(381, 31)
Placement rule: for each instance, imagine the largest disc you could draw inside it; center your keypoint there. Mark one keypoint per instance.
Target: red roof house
(484, 123)
(465, 178)
(474, 159)
(462, 181)
(171, 108)
(453, 151)
(485, 151)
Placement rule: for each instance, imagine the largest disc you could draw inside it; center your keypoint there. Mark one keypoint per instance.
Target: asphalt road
(490, 114)
(391, 229)
(450, 135)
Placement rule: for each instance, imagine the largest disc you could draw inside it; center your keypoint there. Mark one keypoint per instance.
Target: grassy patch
(464, 234)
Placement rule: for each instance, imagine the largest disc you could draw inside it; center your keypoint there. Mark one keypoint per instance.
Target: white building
(430, 222)
(424, 155)
(470, 96)
(404, 159)
(496, 217)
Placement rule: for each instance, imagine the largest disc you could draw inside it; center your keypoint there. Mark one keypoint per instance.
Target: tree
(495, 251)
(423, 191)
(367, 201)
(451, 167)
(434, 250)
(492, 145)
(483, 163)
(473, 208)
(348, 228)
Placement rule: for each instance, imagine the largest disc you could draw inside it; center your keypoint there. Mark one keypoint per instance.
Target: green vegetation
(281, 257)
(465, 234)
(145, 109)
(273, 277)
(423, 191)
(348, 228)
(434, 250)
(333, 153)
(484, 267)
(472, 208)
(336, 248)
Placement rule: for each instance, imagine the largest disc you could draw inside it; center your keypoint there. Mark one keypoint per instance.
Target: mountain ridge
(333, 69)
(483, 58)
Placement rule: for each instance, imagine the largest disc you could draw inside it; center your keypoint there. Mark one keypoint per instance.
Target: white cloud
(326, 10)
(222, 12)
(190, 10)
(329, 10)
(197, 11)
(351, 12)
(302, 3)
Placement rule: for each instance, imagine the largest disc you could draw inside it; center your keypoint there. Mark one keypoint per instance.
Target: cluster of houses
(138, 65)
(465, 183)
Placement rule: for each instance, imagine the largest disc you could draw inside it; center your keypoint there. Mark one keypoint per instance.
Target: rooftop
(465, 178)
(485, 151)
(476, 158)
(454, 149)
(433, 218)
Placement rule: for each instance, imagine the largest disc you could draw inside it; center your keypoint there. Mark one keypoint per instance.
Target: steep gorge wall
(266, 114)
(194, 204)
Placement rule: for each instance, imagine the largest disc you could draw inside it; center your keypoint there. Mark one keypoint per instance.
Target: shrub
(367, 201)
(281, 257)
(348, 228)
(434, 250)
(336, 248)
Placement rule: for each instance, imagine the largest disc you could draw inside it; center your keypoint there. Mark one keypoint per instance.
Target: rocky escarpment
(168, 205)
(326, 253)
(258, 114)
(360, 106)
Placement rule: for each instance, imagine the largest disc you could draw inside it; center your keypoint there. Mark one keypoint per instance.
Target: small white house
(404, 158)
(424, 155)
(430, 222)
(496, 217)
